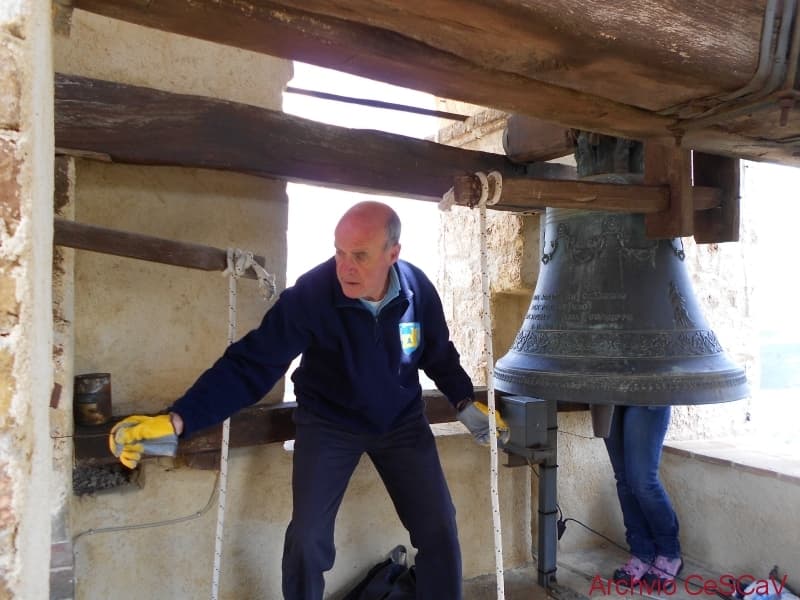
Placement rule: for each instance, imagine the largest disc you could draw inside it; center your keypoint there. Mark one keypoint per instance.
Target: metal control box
(526, 418)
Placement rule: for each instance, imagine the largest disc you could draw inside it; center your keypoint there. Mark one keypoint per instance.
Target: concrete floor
(576, 577)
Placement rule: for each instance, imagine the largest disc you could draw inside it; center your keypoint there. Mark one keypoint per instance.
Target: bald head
(374, 216)
(367, 245)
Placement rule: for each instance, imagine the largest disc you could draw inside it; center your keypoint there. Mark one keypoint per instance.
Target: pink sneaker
(663, 572)
(631, 572)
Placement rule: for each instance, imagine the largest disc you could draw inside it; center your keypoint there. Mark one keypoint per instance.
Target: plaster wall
(176, 561)
(156, 327)
(26, 190)
(734, 519)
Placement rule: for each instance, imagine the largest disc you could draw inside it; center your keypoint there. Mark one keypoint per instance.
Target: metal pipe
(785, 96)
(777, 73)
(765, 58)
(791, 71)
(735, 111)
(377, 104)
(765, 54)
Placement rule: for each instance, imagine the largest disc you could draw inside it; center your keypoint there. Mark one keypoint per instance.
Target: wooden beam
(144, 126)
(528, 139)
(722, 223)
(143, 247)
(528, 60)
(254, 425)
(346, 45)
(670, 165)
(523, 194)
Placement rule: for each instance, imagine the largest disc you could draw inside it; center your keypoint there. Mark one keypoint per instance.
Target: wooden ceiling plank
(385, 55)
(139, 125)
(646, 54)
(381, 54)
(528, 139)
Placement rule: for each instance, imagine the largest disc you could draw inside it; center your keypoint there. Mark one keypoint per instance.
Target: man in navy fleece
(365, 323)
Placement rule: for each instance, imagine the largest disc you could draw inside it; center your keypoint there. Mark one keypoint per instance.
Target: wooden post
(671, 166)
(720, 224)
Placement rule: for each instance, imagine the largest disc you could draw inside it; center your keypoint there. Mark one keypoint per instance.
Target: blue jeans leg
(324, 460)
(634, 448)
(408, 463)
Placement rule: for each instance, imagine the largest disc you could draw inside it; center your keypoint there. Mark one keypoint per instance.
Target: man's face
(363, 259)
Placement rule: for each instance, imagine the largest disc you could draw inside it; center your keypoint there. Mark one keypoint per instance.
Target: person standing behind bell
(634, 446)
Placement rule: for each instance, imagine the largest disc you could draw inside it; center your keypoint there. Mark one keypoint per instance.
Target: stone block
(9, 84)
(9, 307)
(7, 383)
(9, 184)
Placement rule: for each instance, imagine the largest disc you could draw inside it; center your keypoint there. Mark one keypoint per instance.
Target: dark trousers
(634, 447)
(408, 463)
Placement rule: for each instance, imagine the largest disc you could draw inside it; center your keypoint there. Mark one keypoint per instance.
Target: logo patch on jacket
(409, 337)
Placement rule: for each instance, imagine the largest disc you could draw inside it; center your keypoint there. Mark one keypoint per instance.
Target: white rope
(492, 182)
(238, 263)
(447, 201)
(496, 181)
(487, 330)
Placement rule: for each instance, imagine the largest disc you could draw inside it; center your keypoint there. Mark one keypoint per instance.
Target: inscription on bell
(589, 307)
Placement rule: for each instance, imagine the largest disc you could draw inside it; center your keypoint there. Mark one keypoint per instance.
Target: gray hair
(392, 229)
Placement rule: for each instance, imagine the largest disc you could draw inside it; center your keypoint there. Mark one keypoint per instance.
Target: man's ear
(394, 254)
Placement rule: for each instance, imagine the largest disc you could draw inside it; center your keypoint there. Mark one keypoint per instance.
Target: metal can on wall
(92, 398)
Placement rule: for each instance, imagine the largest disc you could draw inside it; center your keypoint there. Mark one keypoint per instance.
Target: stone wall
(26, 191)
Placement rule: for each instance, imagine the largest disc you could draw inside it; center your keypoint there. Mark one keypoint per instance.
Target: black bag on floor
(390, 579)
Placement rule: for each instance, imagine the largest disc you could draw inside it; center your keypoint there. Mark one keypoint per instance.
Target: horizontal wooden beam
(347, 45)
(137, 125)
(605, 69)
(528, 139)
(524, 194)
(255, 425)
(143, 247)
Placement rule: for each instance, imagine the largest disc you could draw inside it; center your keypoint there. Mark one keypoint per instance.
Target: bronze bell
(614, 321)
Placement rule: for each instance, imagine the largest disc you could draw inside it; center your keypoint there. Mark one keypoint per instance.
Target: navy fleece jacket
(358, 371)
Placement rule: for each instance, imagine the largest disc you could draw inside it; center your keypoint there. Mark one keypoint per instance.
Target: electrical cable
(162, 523)
(561, 527)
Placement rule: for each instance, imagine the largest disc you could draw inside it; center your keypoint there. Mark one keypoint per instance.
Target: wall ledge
(742, 453)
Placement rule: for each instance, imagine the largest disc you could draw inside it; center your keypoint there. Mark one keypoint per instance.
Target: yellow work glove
(140, 435)
(131, 455)
(475, 417)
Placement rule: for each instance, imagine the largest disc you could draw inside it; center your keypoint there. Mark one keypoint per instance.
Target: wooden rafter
(142, 247)
(139, 125)
(590, 66)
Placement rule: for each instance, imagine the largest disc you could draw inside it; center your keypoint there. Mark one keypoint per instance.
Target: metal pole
(548, 497)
